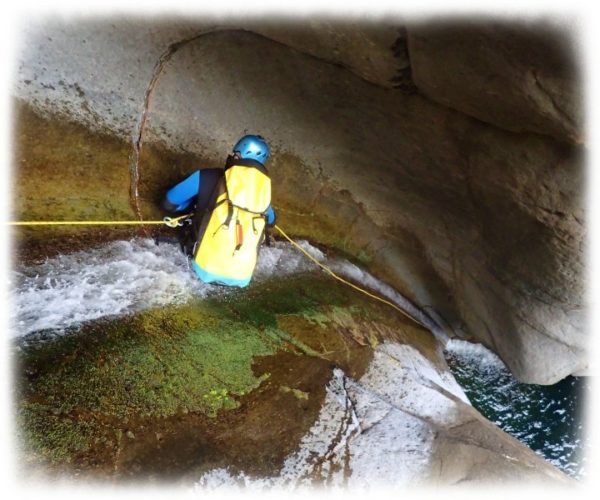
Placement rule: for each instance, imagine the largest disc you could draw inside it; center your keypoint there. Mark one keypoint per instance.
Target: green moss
(192, 358)
(64, 172)
(196, 358)
(279, 335)
(54, 437)
(298, 394)
(157, 364)
(333, 314)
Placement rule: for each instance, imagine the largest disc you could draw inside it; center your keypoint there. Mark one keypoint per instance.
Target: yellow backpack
(232, 227)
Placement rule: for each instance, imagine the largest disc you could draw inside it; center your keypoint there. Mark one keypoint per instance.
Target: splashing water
(118, 278)
(545, 418)
(123, 277)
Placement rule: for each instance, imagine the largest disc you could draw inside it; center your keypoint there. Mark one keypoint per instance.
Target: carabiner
(176, 222)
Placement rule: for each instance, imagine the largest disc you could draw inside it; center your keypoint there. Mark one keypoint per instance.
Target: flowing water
(548, 419)
(125, 277)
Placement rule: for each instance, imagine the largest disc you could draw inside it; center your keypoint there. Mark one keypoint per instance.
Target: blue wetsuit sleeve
(270, 216)
(182, 195)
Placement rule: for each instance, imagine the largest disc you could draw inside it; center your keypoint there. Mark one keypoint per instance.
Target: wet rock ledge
(292, 382)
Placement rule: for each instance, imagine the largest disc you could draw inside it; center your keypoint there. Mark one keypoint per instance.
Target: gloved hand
(270, 217)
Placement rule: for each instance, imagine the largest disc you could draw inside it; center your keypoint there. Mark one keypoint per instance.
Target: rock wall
(521, 77)
(477, 218)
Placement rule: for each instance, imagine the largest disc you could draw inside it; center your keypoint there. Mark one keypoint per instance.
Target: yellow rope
(171, 222)
(352, 285)
(83, 223)
(174, 222)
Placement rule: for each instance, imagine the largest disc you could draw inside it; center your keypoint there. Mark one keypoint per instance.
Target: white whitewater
(123, 277)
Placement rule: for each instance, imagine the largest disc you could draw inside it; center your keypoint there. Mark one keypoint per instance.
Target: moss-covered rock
(67, 172)
(81, 395)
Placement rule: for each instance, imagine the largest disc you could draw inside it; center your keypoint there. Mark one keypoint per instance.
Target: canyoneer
(231, 211)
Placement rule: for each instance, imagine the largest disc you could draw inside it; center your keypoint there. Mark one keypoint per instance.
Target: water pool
(548, 419)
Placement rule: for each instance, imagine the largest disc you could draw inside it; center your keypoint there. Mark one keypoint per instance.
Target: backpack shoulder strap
(209, 178)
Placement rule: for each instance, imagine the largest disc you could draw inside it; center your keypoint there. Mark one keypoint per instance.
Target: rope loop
(173, 222)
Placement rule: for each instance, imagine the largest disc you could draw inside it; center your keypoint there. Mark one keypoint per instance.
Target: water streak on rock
(138, 133)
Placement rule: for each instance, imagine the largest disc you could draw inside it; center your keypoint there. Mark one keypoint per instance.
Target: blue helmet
(252, 147)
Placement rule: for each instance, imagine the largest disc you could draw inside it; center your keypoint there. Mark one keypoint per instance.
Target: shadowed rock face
(479, 220)
(375, 51)
(521, 77)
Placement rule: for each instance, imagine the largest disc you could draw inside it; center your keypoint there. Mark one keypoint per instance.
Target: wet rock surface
(171, 372)
(281, 384)
(65, 172)
(478, 221)
(483, 227)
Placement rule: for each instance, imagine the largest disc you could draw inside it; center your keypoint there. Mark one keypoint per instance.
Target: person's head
(252, 147)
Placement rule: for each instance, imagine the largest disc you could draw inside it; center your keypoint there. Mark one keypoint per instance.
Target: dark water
(548, 419)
